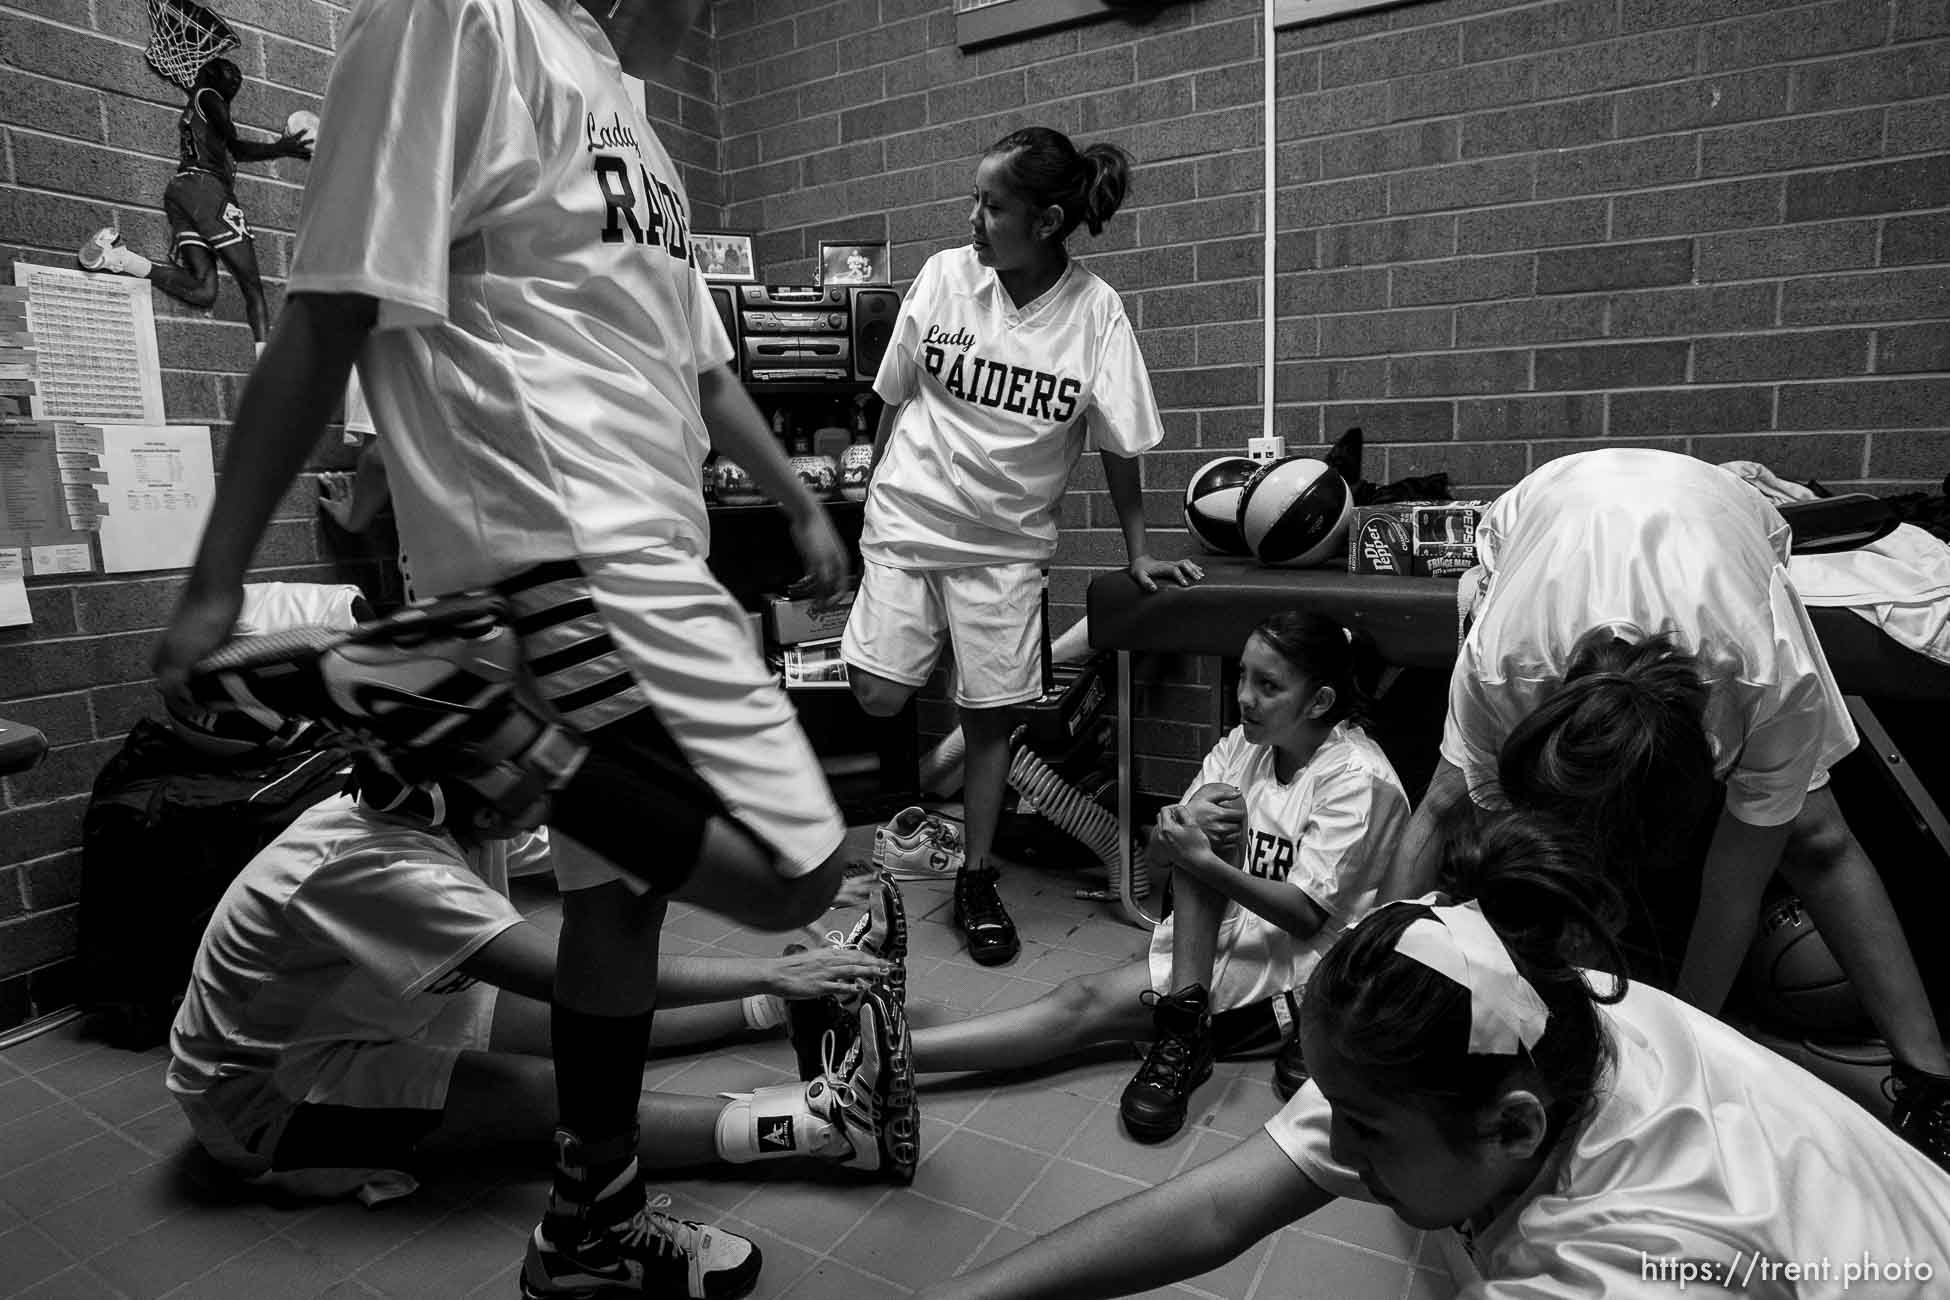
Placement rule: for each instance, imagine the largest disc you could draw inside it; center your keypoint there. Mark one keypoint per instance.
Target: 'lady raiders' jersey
(483, 172)
(1331, 832)
(995, 405)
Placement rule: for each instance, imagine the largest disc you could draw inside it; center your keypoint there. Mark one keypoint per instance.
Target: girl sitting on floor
(1584, 1137)
(1287, 836)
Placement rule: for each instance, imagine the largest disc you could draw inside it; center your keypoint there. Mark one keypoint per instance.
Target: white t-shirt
(995, 405)
(482, 172)
(307, 951)
(1704, 1146)
(1331, 832)
(1654, 542)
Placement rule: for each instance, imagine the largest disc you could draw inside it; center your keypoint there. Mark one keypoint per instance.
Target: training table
(1413, 622)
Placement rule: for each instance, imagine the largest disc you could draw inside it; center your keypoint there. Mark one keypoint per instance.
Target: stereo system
(803, 334)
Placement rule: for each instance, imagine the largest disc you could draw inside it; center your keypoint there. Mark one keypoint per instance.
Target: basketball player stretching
(495, 233)
(205, 221)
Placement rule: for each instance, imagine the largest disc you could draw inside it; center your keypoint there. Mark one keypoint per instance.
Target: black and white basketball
(1296, 512)
(1212, 503)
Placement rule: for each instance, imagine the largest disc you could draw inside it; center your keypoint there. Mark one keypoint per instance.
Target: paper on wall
(72, 558)
(14, 611)
(96, 339)
(36, 507)
(160, 483)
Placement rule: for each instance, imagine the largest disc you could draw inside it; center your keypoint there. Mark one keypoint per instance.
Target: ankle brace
(772, 1123)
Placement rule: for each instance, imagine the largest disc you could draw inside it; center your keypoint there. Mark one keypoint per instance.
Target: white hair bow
(1505, 1013)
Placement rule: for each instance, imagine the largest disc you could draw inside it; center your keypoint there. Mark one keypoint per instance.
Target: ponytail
(1110, 175)
(1405, 1028)
(1047, 169)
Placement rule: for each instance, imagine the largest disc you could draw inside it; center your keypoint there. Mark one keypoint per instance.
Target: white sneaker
(94, 254)
(918, 845)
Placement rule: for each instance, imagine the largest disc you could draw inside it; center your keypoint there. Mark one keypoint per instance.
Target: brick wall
(90, 140)
(1512, 231)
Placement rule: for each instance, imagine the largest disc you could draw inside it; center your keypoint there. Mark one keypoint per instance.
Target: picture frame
(859, 261)
(724, 256)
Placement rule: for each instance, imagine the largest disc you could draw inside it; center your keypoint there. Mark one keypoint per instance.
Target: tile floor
(98, 1196)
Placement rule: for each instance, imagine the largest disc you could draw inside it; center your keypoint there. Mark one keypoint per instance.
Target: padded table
(1413, 623)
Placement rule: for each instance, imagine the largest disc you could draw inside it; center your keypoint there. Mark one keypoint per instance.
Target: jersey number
(663, 218)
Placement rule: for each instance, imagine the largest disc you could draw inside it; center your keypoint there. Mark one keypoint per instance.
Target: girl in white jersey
(496, 234)
(1008, 359)
(1581, 1137)
(1640, 663)
(1287, 837)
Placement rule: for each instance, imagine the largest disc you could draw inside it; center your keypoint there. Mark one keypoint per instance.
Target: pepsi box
(1415, 539)
(790, 621)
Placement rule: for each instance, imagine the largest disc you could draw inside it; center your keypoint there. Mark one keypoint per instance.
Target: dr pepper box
(1420, 539)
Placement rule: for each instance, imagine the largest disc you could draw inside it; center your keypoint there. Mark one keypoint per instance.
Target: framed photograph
(857, 263)
(724, 254)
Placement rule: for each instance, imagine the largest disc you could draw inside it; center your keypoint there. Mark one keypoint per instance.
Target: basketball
(1212, 504)
(1296, 512)
(1794, 980)
(304, 123)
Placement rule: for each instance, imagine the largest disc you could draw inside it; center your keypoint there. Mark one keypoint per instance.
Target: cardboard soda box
(792, 621)
(1419, 539)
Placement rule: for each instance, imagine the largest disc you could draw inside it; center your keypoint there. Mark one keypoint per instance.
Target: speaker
(874, 310)
(726, 302)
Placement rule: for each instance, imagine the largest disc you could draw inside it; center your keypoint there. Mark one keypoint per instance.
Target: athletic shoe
(982, 919)
(434, 691)
(628, 1246)
(880, 931)
(868, 1093)
(1180, 1059)
(94, 254)
(1922, 1111)
(1289, 1067)
(918, 845)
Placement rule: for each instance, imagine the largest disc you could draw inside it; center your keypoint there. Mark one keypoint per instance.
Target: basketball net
(184, 37)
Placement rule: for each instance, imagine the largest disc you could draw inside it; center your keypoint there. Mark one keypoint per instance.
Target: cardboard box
(788, 622)
(1420, 539)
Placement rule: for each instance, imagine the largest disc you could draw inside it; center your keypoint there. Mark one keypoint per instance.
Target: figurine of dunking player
(205, 221)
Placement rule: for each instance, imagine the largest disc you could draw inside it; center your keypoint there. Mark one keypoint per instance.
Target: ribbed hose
(1076, 814)
(940, 768)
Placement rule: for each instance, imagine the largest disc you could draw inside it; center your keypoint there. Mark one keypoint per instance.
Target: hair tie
(1505, 1013)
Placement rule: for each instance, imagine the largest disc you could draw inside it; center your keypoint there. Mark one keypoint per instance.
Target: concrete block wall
(87, 139)
(1511, 231)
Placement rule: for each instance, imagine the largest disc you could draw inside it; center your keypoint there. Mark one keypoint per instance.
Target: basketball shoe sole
(435, 691)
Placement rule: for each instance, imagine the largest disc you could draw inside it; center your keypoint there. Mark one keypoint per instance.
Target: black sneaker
(981, 918)
(881, 931)
(1921, 1111)
(1289, 1067)
(435, 692)
(868, 1093)
(1180, 1060)
(619, 1242)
